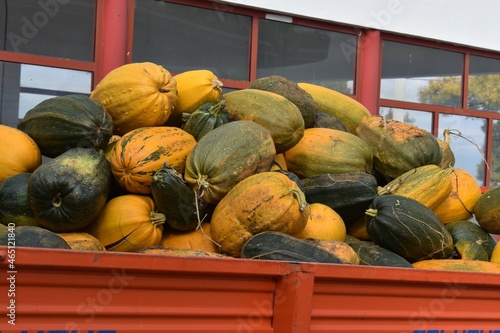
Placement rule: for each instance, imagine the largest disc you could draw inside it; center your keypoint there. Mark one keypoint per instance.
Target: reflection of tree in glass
(406, 117)
(484, 94)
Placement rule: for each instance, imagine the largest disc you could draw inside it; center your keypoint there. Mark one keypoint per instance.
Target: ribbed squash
(195, 88)
(465, 249)
(205, 118)
(348, 194)
(323, 223)
(82, 241)
(273, 245)
(266, 201)
(60, 123)
(226, 156)
(291, 91)
(14, 203)
(459, 205)
(398, 147)
(428, 184)
(199, 239)
(137, 95)
(495, 255)
(487, 210)
(349, 111)
(324, 150)
(137, 155)
(469, 231)
(458, 265)
(33, 236)
(274, 112)
(20, 153)
(128, 223)
(370, 254)
(174, 198)
(339, 248)
(407, 228)
(68, 192)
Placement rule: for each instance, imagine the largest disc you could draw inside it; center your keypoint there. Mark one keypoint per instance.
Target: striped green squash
(408, 228)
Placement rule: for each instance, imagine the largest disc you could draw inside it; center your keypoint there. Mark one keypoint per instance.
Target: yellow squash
(137, 95)
(348, 110)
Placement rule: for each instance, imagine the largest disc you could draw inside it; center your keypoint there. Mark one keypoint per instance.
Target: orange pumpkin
(138, 154)
(199, 239)
(266, 201)
(128, 223)
(137, 95)
(20, 153)
(323, 223)
(459, 205)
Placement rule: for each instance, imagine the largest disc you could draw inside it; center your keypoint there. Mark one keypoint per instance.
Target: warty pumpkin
(138, 154)
(397, 146)
(324, 150)
(20, 153)
(128, 223)
(266, 201)
(137, 95)
(227, 155)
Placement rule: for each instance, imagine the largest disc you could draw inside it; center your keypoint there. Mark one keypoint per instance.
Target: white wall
(474, 23)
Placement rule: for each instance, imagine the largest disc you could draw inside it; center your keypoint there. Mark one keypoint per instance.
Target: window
(424, 86)
(183, 37)
(62, 29)
(24, 86)
(305, 54)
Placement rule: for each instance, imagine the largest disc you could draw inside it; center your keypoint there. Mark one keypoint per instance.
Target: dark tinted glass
(182, 38)
(54, 28)
(420, 74)
(484, 84)
(305, 54)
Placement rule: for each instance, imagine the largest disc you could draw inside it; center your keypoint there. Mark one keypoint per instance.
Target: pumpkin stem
(157, 218)
(217, 107)
(371, 212)
(301, 198)
(217, 84)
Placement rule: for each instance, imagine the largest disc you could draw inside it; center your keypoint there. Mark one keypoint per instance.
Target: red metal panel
(77, 291)
(369, 78)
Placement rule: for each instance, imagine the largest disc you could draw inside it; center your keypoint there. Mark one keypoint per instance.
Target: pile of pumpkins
(167, 164)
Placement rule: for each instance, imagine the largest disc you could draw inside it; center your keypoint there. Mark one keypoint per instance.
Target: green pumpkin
(60, 123)
(205, 118)
(68, 192)
(14, 203)
(176, 200)
(227, 155)
(407, 228)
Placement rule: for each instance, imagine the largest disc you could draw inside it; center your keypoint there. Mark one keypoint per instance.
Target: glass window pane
(54, 28)
(495, 155)
(305, 54)
(484, 84)
(24, 86)
(420, 74)
(420, 119)
(469, 147)
(182, 38)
